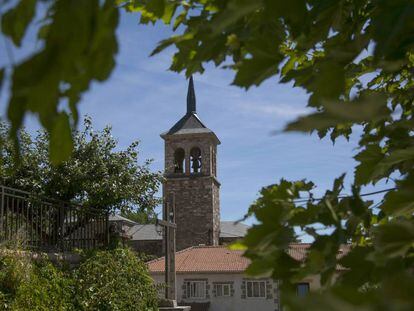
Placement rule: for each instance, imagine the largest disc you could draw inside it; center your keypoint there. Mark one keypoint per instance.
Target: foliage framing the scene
(353, 57)
(77, 46)
(356, 61)
(98, 174)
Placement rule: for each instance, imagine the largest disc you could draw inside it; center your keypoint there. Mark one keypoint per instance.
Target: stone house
(148, 238)
(213, 278)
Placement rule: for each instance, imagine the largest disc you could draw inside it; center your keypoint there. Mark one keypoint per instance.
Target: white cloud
(275, 110)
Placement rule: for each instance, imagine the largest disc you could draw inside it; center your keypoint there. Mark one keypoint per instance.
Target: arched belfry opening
(179, 156)
(196, 161)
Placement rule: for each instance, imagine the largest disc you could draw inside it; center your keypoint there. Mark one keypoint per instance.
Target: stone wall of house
(236, 301)
(149, 247)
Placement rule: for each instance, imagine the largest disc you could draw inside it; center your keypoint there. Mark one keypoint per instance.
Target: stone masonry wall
(216, 212)
(197, 219)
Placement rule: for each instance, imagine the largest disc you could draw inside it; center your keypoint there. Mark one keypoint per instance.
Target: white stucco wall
(236, 302)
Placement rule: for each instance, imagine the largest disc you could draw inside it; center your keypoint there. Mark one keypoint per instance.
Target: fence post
(106, 229)
(60, 224)
(2, 213)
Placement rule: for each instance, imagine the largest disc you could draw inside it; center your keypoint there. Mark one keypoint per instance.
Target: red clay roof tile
(219, 259)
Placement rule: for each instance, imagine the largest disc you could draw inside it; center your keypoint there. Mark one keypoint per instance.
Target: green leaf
(327, 83)
(395, 238)
(16, 20)
(358, 267)
(235, 10)
(398, 17)
(369, 159)
(180, 19)
(376, 165)
(363, 109)
(255, 71)
(173, 40)
(156, 7)
(400, 202)
(60, 140)
(294, 12)
(169, 11)
(79, 47)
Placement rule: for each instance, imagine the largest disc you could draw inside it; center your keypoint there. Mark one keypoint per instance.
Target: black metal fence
(49, 225)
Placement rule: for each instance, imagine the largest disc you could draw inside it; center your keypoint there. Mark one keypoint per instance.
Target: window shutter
(269, 288)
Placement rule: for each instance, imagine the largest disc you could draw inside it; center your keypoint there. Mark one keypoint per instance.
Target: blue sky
(142, 99)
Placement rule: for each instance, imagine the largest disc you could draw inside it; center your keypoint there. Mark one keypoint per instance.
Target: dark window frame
(301, 293)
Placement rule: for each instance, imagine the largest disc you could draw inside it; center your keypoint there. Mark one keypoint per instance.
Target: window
(222, 290)
(302, 289)
(256, 289)
(196, 289)
(179, 156)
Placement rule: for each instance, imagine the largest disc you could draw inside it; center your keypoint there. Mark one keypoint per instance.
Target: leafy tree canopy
(355, 59)
(97, 174)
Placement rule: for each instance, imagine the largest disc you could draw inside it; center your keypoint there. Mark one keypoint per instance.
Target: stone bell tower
(191, 178)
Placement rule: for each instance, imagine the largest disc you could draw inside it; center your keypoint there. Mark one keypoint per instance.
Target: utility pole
(169, 225)
(168, 222)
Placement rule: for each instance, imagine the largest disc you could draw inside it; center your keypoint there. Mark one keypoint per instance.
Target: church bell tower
(191, 178)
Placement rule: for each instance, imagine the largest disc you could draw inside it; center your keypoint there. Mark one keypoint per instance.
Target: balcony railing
(49, 225)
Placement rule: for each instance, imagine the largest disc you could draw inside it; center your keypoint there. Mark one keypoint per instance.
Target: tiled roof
(199, 259)
(219, 259)
(298, 251)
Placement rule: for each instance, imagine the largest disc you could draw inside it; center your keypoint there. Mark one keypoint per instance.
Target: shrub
(28, 284)
(115, 280)
(105, 280)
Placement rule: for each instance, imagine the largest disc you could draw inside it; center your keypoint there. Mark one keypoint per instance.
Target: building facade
(213, 278)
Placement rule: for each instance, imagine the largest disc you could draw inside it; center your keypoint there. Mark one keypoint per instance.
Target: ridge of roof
(177, 252)
(117, 217)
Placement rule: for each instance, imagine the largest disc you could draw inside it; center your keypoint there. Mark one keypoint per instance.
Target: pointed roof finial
(191, 99)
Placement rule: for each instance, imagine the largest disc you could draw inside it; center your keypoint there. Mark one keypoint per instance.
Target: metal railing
(49, 225)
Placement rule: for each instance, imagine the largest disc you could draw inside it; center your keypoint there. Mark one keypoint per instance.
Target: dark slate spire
(191, 99)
